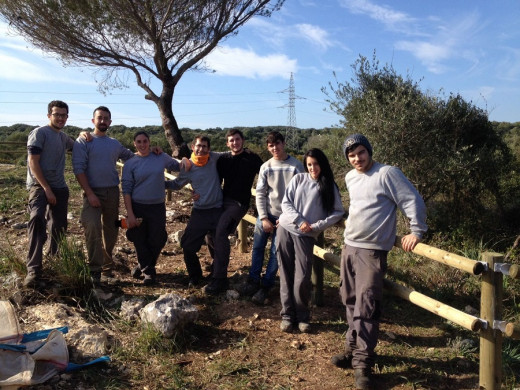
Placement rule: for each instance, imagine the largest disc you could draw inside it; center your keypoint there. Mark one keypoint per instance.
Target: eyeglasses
(60, 115)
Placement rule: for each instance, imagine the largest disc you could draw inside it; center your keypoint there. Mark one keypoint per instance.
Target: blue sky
(466, 47)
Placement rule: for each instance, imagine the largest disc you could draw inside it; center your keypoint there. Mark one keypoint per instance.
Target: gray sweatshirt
(143, 177)
(204, 181)
(97, 159)
(302, 202)
(375, 197)
(273, 178)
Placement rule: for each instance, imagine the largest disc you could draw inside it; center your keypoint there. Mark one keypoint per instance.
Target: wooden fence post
(317, 274)
(490, 375)
(169, 192)
(242, 236)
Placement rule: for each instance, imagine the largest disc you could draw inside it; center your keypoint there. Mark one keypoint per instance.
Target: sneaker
(304, 327)
(32, 280)
(249, 288)
(216, 286)
(363, 378)
(136, 272)
(342, 360)
(261, 296)
(286, 326)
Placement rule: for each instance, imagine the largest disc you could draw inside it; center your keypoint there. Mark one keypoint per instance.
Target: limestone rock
(169, 313)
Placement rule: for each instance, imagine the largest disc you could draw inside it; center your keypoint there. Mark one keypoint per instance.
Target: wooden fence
(490, 325)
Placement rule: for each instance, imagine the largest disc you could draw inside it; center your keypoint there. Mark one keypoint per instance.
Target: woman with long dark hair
(311, 204)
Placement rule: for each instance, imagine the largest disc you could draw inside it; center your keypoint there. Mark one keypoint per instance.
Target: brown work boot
(342, 360)
(363, 377)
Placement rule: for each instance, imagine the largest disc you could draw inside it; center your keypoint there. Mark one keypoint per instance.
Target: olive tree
(151, 39)
(445, 145)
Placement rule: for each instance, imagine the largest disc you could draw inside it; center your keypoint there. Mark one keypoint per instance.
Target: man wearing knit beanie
(376, 191)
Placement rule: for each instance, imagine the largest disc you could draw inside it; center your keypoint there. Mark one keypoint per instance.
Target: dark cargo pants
(42, 216)
(361, 290)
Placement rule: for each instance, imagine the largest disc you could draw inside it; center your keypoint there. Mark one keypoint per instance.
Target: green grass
(70, 267)
(10, 260)
(13, 194)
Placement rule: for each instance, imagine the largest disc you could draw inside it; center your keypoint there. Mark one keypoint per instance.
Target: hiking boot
(96, 278)
(149, 280)
(136, 272)
(286, 326)
(195, 282)
(261, 297)
(216, 286)
(249, 288)
(32, 280)
(363, 378)
(342, 360)
(108, 273)
(304, 327)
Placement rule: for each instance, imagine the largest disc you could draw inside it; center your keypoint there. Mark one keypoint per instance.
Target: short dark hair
(274, 136)
(202, 138)
(233, 132)
(142, 132)
(102, 108)
(57, 103)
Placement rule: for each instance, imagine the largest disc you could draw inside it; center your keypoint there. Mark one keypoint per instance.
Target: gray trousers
(100, 227)
(295, 256)
(361, 290)
(43, 216)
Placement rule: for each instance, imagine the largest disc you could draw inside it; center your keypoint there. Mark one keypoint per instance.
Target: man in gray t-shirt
(48, 192)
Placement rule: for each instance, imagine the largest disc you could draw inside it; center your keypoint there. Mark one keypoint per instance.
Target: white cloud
(508, 67)
(392, 19)
(278, 35)
(15, 69)
(314, 34)
(431, 55)
(229, 61)
(448, 41)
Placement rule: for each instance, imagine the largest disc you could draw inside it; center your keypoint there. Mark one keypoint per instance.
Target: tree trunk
(171, 129)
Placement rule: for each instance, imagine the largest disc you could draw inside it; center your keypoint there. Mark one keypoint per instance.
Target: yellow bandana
(199, 161)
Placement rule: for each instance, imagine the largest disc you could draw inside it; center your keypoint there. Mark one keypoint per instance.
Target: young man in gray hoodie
(376, 192)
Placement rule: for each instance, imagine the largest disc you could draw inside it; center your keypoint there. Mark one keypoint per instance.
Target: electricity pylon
(291, 135)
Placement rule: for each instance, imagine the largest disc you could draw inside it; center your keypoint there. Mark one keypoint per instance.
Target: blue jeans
(257, 262)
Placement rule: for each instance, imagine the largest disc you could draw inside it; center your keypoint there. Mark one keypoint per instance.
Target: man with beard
(94, 164)
(48, 191)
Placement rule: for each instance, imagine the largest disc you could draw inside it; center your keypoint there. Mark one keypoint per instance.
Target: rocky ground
(234, 344)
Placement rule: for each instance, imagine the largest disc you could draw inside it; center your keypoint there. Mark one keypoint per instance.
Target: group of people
(295, 203)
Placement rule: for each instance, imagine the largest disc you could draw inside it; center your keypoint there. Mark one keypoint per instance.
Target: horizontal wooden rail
(442, 310)
(513, 331)
(460, 262)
